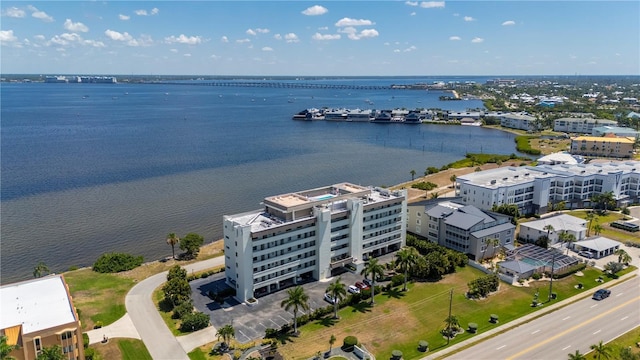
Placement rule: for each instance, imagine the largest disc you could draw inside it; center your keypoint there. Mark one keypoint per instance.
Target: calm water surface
(91, 168)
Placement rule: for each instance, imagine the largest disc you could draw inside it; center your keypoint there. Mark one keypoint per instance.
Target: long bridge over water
(282, 85)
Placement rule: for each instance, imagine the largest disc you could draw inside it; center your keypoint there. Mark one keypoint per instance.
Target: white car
(587, 254)
(354, 289)
(329, 298)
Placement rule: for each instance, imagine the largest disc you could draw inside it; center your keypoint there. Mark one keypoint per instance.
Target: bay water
(94, 168)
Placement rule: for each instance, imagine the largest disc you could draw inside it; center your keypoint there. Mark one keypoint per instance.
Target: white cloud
(413, 14)
(277, 37)
(144, 40)
(386, 44)
(477, 40)
(40, 14)
(469, 18)
(71, 26)
(155, 11)
(187, 55)
(183, 39)
(262, 31)
(6, 36)
(266, 48)
(410, 48)
(39, 37)
(242, 41)
(323, 28)
(411, 3)
(94, 43)
(215, 57)
(353, 22)
(224, 39)
(124, 17)
(14, 12)
(397, 51)
(315, 10)
(251, 32)
(141, 12)
(455, 38)
(432, 4)
(508, 23)
(291, 38)
(117, 36)
(353, 34)
(318, 36)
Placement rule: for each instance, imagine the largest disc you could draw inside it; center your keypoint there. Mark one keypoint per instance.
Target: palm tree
(406, 258)
(493, 242)
(590, 217)
(452, 323)
(549, 229)
(40, 270)
(332, 341)
(597, 228)
(434, 195)
(51, 353)
(577, 356)
(5, 348)
(623, 256)
(567, 239)
(338, 292)
(297, 300)
(376, 270)
(226, 332)
(413, 174)
(601, 350)
(453, 180)
(172, 240)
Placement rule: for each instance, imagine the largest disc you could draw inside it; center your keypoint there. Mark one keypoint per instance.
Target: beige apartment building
(606, 146)
(38, 314)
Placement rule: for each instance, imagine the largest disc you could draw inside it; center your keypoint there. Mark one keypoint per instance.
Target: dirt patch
(110, 350)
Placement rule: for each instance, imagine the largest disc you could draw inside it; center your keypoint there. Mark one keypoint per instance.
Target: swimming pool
(323, 197)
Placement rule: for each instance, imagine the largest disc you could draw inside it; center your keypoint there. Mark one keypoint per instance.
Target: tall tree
(376, 271)
(597, 229)
(51, 353)
(338, 291)
(172, 240)
(601, 350)
(623, 256)
(191, 244)
(549, 229)
(567, 238)
(332, 340)
(226, 332)
(590, 217)
(493, 242)
(297, 300)
(406, 259)
(41, 270)
(5, 348)
(453, 179)
(577, 356)
(413, 174)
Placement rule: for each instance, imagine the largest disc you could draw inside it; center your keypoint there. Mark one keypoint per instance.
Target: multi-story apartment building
(534, 189)
(580, 125)
(37, 314)
(522, 121)
(606, 146)
(309, 234)
(463, 228)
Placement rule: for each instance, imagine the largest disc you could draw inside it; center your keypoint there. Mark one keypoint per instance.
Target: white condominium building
(534, 189)
(308, 234)
(580, 125)
(522, 121)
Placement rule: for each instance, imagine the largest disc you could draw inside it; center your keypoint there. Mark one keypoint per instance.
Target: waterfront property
(580, 125)
(615, 130)
(535, 189)
(521, 121)
(39, 313)
(552, 227)
(311, 234)
(606, 146)
(463, 228)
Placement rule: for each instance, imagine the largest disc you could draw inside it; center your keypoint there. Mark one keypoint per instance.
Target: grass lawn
(628, 340)
(399, 320)
(133, 350)
(608, 231)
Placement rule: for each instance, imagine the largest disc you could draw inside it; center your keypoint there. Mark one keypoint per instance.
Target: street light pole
(449, 318)
(553, 261)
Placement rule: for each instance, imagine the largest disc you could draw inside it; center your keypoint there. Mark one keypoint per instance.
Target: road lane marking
(597, 332)
(594, 306)
(537, 331)
(549, 339)
(566, 318)
(619, 294)
(566, 347)
(624, 318)
(501, 347)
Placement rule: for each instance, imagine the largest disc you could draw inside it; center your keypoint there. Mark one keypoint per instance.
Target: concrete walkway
(123, 328)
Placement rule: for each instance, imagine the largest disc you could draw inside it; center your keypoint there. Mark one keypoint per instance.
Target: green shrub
(85, 340)
(426, 186)
(397, 280)
(90, 354)
(536, 276)
(182, 309)
(349, 342)
(194, 322)
(116, 262)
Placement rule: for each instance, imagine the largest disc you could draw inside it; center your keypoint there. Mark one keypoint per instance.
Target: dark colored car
(367, 282)
(601, 294)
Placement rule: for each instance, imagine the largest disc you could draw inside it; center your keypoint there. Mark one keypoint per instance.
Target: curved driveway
(160, 342)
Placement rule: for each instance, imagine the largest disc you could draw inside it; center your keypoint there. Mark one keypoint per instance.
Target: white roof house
(560, 158)
(599, 246)
(533, 230)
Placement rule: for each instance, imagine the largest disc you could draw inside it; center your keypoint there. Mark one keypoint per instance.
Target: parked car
(367, 282)
(354, 289)
(587, 254)
(329, 298)
(601, 294)
(362, 286)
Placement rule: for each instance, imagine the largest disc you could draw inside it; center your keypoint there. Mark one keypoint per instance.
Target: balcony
(341, 262)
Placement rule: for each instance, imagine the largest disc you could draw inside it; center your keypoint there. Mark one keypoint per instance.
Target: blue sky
(321, 38)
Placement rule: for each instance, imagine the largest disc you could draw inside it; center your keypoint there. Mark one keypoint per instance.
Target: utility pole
(449, 318)
(553, 261)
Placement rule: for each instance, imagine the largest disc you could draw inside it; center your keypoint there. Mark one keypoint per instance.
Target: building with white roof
(463, 228)
(309, 234)
(560, 158)
(534, 189)
(615, 130)
(599, 246)
(553, 226)
(39, 313)
(522, 121)
(580, 125)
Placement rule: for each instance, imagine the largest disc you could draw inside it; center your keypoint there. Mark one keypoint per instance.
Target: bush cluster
(482, 286)
(426, 186)
(116, 262)
(194, 322)
(569, 271)
(204, 274)
(436, 260)
(523, 145)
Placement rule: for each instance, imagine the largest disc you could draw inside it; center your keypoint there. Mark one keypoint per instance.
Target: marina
(403, 116)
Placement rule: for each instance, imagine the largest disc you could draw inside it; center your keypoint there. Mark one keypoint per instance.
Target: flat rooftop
(36, 304)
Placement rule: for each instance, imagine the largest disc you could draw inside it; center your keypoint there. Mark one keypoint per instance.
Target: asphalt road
(574, 327)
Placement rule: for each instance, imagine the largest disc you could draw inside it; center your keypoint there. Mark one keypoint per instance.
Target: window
(37, 344)
(67, 335)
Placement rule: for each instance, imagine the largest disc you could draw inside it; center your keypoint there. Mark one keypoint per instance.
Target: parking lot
(250, 322)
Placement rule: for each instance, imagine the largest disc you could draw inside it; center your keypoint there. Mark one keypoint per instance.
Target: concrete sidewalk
(122, 328)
